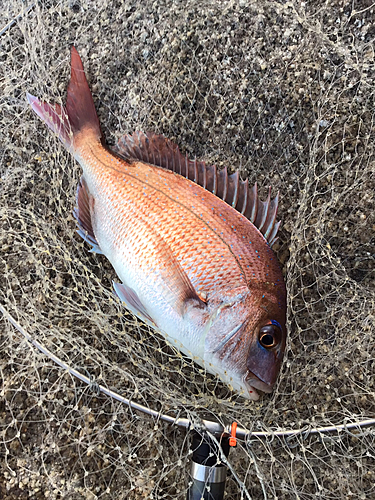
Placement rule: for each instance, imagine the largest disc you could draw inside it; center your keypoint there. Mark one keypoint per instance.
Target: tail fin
(78, 115)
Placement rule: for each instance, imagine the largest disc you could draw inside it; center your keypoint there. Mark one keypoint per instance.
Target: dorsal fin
(160, 151)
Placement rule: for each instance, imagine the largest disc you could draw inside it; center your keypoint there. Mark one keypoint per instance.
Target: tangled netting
(284, 91)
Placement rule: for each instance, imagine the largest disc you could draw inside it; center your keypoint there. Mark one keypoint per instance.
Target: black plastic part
(203, 447)
(206, 452)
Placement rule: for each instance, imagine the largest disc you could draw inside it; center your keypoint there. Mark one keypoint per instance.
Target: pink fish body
(191, 265)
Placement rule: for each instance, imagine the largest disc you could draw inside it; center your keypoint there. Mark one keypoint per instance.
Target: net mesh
(284, 91)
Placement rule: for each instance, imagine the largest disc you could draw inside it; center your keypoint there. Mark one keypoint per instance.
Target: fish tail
(78, 117)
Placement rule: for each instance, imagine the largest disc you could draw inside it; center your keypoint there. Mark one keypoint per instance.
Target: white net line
(285, 93)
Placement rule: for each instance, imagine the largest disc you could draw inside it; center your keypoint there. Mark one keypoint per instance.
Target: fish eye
(269, 336)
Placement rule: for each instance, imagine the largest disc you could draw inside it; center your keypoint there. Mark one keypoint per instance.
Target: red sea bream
(191, 246)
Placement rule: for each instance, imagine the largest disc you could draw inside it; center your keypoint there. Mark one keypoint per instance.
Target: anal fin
(83, 215)
(133, 302)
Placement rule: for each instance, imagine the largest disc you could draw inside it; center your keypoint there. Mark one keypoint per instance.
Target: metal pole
(208, 473)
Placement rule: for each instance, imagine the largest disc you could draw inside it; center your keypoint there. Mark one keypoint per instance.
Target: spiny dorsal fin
(160, 151)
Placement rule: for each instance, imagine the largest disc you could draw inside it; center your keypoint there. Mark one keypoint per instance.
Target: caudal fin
(78, 115)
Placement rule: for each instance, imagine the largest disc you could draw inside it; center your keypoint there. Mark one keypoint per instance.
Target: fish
(191, 245)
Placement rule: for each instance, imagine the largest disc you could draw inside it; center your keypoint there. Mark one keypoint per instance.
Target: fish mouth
(253, 383)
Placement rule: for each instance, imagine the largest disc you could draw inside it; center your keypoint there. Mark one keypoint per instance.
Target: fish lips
(252, 382)
(263, 365)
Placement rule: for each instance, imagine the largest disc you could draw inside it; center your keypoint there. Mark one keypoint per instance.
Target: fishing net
(283, 91)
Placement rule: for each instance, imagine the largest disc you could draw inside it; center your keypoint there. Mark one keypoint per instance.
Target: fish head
(264, 355)
(252, 339)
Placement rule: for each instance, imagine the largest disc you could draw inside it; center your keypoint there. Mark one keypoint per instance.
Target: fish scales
(198, 229)
(190, 265)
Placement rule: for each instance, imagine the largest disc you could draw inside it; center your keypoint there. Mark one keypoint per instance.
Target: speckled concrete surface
(283, 91)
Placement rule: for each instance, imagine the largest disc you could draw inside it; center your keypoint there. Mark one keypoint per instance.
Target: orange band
(233, 430)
